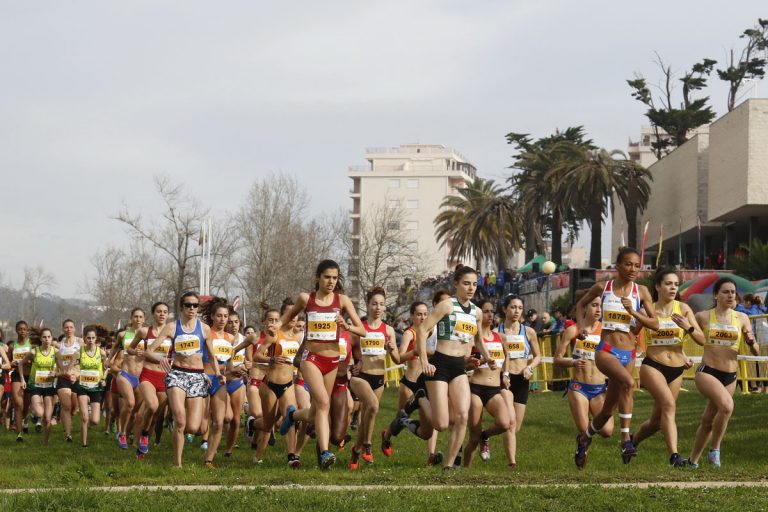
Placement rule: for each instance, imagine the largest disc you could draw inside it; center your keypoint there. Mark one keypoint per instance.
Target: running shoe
(25, 427)
(628, 451)
(457, 460)
(368, 453)
(272, 439)
(327, 459)
(285, 426)
(122, 442)
(293, 461)
(209, 465)
(485, 449)
(355, 421)
(396, 426)
(512, 465)
(204, 445)
(386, 445)
(143, 444)
(256, 461)
(581, 451)
(354, 461)
(227, 455)
(130, 438)
(676, 461)
(139, 455)
(68, 439)
(249, 427)
(714, 458)
(38, 426)
(190, 438)
(412, 404)
(347, 438)
(19, 438)
(688, 464)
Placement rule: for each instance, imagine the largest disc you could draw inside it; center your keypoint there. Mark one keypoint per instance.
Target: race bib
(496, 352)
(43, 379)
(668, 334)
(723, 335)
(616, 318)
(515, 345)
(290, 349)
(89, 378)
(164, 347)
(342, 349)
(186, 344)
(585, 349)
(222, 350)
(19, 354)
(321, 326)
(239, 358)
(373, 344)
(465, 327)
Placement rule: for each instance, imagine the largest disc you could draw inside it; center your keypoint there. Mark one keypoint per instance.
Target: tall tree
(37, 281)
(540, 192)
(672, 125)
(632, 187)
(481, 222)
(750, 63)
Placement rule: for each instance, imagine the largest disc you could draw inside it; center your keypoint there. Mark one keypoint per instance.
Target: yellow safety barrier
(393, 373)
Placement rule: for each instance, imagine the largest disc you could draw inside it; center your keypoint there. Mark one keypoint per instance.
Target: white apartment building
(414, 178)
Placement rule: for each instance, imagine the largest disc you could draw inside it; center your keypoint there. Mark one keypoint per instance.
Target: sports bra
(68, 352)
(723, 335)
(669, 334)
(517, 345)
(585, 349)
(374, 342)
(613, 315)
(189, 343)
(460, 325)
(321, 320)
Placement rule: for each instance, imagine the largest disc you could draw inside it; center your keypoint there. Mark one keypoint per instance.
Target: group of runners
(314, 365)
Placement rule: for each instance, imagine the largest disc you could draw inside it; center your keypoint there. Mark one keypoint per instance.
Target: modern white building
(415, 178)
(719, 178)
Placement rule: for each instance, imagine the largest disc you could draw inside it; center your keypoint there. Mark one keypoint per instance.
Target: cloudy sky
(98, 97)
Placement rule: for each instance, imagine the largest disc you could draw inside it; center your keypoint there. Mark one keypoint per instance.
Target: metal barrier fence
(751, 369)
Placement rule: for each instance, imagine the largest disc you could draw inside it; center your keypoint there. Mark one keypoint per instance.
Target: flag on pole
(622, 243)
(236, 303)
(661, 241)
(41, 323)
(119, 323)
(645, 239)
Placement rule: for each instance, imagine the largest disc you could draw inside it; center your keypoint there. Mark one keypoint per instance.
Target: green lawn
(545, 455)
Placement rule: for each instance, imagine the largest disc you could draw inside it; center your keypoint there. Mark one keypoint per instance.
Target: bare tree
(279, 247)
(175, 237)
(385, 253)
(36, 281)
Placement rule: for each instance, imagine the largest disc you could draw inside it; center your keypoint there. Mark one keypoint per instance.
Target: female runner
(320, 358)
(457, 322)
(662, 370)
(367, 381)
(724, 330)
(41, 375)
(90, 382)
(152, 377)
(280, 347)
(586, 389)
(622, 304)
(185, 384)
(19, 350)
(216, 316)
(485, 386)
(126, 381)
(256, 374)
(66, 371)
(236, 371)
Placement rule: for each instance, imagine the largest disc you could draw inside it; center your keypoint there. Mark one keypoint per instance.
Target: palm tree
(592, 178)
(633, 189)
(480, 223)
(541, 186)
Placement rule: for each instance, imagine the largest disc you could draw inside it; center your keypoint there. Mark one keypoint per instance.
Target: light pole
(548, 268)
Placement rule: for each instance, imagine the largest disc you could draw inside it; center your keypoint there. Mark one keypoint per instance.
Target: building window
(412, 204)
(413, 246)
(412, 183)
(394, 225)
(393, 203)
(412, 225)
(394, 183)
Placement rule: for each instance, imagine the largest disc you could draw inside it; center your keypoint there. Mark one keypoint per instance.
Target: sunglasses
(191, 304)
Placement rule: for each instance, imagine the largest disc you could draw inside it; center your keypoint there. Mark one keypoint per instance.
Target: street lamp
(548, 268)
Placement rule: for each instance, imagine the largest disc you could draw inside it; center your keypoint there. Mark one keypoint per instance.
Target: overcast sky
(98, 97)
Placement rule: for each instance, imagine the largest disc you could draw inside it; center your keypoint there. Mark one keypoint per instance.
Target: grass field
(545, 456)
